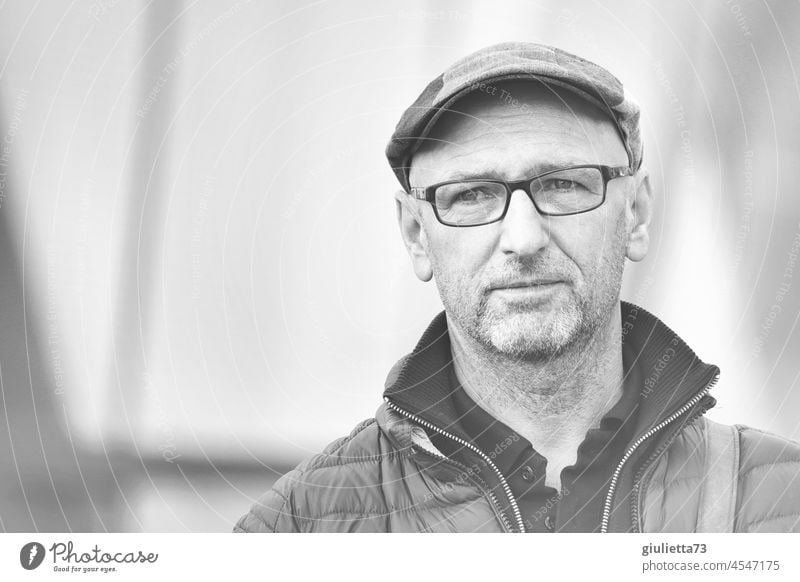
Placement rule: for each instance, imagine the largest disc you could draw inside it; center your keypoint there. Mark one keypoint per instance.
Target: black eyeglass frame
(428, 193)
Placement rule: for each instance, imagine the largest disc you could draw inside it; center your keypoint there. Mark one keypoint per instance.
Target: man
(537, 401)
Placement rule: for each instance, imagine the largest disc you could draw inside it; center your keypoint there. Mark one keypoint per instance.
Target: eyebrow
(535, 169)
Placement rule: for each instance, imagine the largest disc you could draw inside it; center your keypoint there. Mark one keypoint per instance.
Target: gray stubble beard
(568, 327)
(510, 333)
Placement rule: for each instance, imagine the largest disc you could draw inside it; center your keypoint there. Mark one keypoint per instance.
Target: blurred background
(201, 277)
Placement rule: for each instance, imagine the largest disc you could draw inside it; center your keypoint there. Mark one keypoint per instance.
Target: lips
(525, 284)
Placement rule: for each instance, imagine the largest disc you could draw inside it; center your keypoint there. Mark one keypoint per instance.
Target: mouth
(528, 284)
(527, 292)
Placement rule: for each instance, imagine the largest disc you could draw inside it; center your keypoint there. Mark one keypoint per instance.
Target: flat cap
(514, 61)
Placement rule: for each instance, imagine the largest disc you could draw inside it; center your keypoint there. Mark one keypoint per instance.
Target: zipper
(643, 470)
(671, 418)
(477, 481)
(470, 446)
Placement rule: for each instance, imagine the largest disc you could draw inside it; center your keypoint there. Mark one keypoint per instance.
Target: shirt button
(527, 473)
(549, 523)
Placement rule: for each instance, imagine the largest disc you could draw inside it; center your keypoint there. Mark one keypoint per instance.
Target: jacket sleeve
(769, 483)
(275, 511)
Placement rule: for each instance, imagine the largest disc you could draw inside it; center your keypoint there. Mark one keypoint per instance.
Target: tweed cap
(514, 61)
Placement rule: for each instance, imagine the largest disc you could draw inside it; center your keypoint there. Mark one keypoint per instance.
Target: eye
(475, 194)
(561, 184)
(471, 195)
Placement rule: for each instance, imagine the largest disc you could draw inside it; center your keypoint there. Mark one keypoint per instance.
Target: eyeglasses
(478, 201)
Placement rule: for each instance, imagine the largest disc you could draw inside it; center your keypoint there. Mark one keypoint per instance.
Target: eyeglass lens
(562, 192)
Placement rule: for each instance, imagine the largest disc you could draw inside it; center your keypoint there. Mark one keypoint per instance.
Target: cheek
(593, 240)
(457, 254)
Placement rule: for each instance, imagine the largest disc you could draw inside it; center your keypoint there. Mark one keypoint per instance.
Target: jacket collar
(671, 372)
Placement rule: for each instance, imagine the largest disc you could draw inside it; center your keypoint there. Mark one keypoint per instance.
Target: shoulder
(345, 470)
(768, 498)
(764, 453)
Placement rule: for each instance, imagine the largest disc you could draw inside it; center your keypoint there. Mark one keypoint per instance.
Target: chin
(532, 335)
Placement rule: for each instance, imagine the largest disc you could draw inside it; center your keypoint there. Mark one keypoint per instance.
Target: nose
(524, 230)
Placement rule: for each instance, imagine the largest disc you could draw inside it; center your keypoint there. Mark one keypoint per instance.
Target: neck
(553, 401)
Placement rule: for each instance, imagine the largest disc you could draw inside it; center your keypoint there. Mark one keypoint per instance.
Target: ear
(640, 211)
(413, 234)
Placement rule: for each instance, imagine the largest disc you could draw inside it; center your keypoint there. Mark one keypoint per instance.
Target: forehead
(513, 131)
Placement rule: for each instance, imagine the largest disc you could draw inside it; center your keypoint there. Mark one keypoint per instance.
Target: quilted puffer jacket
(386, 475)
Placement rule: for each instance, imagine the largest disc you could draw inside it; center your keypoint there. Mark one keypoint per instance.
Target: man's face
(529, 286)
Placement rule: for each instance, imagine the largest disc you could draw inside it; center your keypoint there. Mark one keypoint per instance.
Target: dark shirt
(578, 506)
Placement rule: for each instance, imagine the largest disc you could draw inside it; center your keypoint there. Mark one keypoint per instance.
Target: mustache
(521, 274)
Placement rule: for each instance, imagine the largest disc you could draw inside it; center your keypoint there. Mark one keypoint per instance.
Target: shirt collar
(507, 449)
(666, 371)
